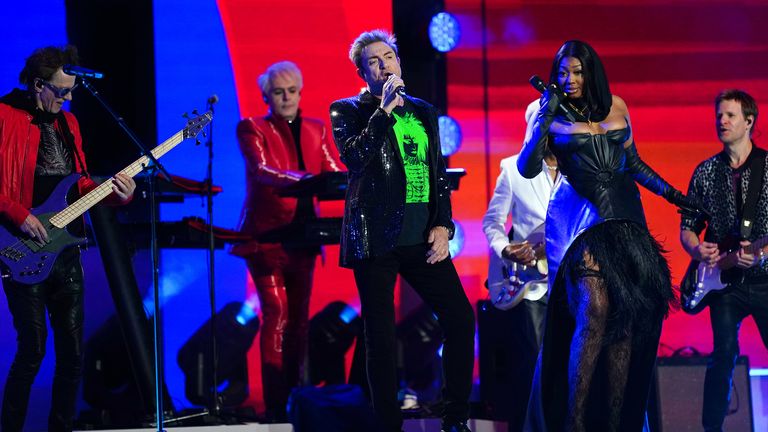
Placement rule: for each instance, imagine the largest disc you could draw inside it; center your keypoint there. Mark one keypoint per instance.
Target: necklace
(551, 168)
(583, 112)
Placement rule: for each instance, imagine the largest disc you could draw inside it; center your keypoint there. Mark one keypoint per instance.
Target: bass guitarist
(722, 184)
(40, 144)
(525, 201)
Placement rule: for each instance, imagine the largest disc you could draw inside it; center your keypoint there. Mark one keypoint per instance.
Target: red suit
(283, 277)
(19, 141)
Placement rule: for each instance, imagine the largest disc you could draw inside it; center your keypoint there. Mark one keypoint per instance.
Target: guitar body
(520, 282)
(698, 281)
(23, 259)
(701, 279)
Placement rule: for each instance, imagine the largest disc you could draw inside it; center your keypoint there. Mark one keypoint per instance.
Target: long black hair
(596, 94)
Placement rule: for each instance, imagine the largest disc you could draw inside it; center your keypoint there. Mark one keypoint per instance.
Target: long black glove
(529, 162)
(648, 178)
(688, 206)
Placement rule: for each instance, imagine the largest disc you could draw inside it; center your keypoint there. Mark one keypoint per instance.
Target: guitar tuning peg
(185, 115)
(197, 141)
(205, 134)
(194, 111)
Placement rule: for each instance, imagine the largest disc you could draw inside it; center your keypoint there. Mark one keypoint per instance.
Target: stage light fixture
(419, 338)
(331, 333)
(234, 337)
(450, 135)
(444, 31)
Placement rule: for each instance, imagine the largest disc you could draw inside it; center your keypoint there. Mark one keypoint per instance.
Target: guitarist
(721, 183)
(525, 201)
(40, 144)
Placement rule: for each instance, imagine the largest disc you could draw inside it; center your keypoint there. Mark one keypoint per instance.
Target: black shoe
(455, 427)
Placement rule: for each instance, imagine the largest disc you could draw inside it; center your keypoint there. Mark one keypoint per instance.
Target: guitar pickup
(12, 254)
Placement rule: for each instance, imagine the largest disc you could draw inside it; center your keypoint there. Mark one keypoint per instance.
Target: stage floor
(421, 425)
(758, 384)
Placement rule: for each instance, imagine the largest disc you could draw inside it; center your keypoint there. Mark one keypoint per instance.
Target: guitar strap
(69, 138)
(756, 174)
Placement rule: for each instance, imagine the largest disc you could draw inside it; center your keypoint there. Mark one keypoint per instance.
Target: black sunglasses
(59, 92)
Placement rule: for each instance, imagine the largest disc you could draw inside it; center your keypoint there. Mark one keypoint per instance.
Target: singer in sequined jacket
(373, 211)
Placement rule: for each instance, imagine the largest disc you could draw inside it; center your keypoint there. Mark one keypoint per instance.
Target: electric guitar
(521, 281)
(700, 279)
(29, 262)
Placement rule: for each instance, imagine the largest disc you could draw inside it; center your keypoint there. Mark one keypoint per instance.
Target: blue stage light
(456, 244)
(450, 135)
(246, 314)
(444, 32)
(348, 314)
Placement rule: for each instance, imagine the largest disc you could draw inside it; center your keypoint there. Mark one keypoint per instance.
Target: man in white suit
(525, 201)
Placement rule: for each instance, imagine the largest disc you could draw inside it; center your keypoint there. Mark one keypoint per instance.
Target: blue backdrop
(192, 64)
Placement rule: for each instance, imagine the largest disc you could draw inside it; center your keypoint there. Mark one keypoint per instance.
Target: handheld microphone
(400, 90)
(213, 99)
(538, 84)
(82, 72)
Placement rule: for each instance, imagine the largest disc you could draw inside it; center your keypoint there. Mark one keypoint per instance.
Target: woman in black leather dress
(609, 283)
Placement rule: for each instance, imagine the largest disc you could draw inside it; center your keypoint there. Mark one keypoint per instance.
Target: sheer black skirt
(622, 260)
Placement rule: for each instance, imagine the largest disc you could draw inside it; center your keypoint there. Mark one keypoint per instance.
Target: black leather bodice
(595, 166)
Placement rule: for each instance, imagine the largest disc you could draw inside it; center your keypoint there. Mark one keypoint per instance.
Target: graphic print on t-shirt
(413, 142)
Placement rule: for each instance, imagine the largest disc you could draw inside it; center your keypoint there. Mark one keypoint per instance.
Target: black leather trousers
(61, 298)
(727, 311)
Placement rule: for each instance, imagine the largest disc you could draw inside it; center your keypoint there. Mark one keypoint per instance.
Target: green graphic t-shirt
(413, 143)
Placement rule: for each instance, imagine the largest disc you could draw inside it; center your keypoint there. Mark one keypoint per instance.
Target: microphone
(82, 72)
(538, 84)
(400, 90)
(213, 99)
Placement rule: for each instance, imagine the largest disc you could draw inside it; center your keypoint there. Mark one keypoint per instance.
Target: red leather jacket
(19, 142)
(271, 162)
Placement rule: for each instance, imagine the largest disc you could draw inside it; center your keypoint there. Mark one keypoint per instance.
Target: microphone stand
(215, 407)
(153, 168)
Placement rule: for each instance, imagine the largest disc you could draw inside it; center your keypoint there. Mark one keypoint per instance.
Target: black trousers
(440, 288)
(727, 311)
(532, 334)
(60, 297)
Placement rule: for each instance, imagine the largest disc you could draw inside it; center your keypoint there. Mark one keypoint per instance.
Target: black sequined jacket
(375, 200)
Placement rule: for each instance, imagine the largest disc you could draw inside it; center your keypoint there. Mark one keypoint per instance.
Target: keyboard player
(280, 149)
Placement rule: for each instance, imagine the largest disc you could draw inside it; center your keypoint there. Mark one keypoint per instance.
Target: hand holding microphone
(552, 97)
(392, 93)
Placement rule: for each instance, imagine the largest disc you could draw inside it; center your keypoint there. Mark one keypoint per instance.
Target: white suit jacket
(526, 200)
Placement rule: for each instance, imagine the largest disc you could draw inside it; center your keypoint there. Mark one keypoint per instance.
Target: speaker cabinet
(679, 393)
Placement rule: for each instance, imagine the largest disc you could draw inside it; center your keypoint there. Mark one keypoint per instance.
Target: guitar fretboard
(82, 205)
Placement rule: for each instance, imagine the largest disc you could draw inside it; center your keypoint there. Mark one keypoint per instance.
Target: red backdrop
(667, 59)
(316, 36)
